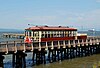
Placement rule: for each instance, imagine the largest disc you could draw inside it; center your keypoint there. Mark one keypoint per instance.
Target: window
(66, 42)
(25, 33)
(49, 43)
(48, 35)
(51, 35)
(71, 41)
(61, 42)
(36, 44)
(29, 33)
(33, 34)
(74, 33)
(43, 43)
(55, 43)
(36, 36)
(43, 35)
(66, 33)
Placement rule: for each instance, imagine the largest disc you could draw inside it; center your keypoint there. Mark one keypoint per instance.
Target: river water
(82, 62)
(92, 61)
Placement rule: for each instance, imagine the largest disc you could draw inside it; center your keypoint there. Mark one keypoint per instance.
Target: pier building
(54, 35)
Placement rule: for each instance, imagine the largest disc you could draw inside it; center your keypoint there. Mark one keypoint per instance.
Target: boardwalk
(77, 48)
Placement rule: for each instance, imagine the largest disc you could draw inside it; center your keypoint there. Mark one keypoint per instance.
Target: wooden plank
(2, 49)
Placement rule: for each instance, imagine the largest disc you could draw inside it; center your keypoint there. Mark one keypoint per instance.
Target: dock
(13, 35)
(53, 52)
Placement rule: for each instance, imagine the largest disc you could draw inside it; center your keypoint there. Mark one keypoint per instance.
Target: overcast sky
(82, 14)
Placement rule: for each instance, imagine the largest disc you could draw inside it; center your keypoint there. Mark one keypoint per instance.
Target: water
(89, 33)
(8, 61)
(9, 39)
(81, 62)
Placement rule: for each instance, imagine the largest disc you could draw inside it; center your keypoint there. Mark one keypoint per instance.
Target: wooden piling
(81, 50)
(61, 52)
(49, 55)
(37, 58)
(1, 61)
(44, 58)
(67, 52)
(64, 53)
(58, 54)
(20, 60)
(33, 58)
(13, 60)
(54, 55)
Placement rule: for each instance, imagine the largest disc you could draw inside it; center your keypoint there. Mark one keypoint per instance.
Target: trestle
(39, 57)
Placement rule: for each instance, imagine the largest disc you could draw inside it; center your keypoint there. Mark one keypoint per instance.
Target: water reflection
(81, 62)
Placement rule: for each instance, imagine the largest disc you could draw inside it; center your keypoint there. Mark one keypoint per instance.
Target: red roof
(50, 28)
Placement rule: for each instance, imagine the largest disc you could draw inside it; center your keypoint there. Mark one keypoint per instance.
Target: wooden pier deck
(13, 35)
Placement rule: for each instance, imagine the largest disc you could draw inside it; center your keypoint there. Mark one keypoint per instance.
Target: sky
(81, 14)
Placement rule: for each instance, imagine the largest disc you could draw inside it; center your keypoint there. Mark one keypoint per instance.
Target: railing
(8, 47)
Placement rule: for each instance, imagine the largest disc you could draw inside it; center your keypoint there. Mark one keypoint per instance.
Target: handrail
(21, 46)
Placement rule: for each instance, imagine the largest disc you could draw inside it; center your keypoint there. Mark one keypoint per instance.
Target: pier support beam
(49, 55)
(58, 58)
(72, 51)
(20, 60)
(40, 56)
(44, 56)
(86, 50)
(82, 52)
(61, 52)
(77, 51)
(1, 61)
(33, 58)
(64, 53)
(54, 55)
(67, 52)
(13, 60)
(98, 48)
(37, 58)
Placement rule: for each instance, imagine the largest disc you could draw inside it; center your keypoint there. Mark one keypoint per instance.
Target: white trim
(64, 45)
(69, 43)
(46, 48)
(6, 48)
(52, 45)
(58, 45)
(32, 46)
(39, 46)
